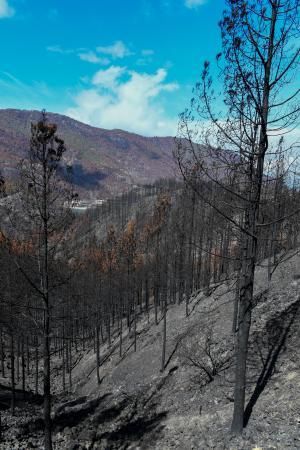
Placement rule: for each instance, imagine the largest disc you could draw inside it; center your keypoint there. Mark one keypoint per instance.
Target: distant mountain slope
(105, 162)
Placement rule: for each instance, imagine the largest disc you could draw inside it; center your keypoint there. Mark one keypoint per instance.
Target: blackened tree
(45, 198)
(228, 144)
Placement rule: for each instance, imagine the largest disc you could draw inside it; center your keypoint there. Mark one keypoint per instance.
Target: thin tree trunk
(163, 353)
(236, 304)
(12, 363)
(23, 368)
(134, 318)
(70, 366)
(27, 357)
(2, 356)
(241, 357)
(244, 321)
(46, 335)
(47, 392)
(98, 353)
(63, 359)
(18, 360)
(36, 368)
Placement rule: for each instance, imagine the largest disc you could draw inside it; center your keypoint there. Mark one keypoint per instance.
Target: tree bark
(47, 392)
(12, 372)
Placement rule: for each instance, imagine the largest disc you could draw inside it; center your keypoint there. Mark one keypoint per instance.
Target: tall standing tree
(227, 144)
(45, 198)
(2, 193)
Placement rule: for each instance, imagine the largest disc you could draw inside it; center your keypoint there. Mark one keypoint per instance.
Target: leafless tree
(44, 203)
(227, 137)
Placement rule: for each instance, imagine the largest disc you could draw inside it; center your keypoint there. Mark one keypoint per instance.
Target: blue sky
(128, 64)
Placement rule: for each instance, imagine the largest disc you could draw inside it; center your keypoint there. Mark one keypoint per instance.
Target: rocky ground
(138, 407)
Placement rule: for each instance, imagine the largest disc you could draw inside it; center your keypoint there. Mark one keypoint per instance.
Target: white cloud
(5, 9)
(147, 52)
(194, 3)
(120, 98)
(91, 57)
(108, 78)
(117, 50)
(59, 49)
(146, 57)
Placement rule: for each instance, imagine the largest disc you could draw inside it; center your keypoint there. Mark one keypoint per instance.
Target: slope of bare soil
(138, 407)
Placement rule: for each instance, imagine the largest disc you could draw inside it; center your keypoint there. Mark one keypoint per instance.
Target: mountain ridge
(105, 162)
